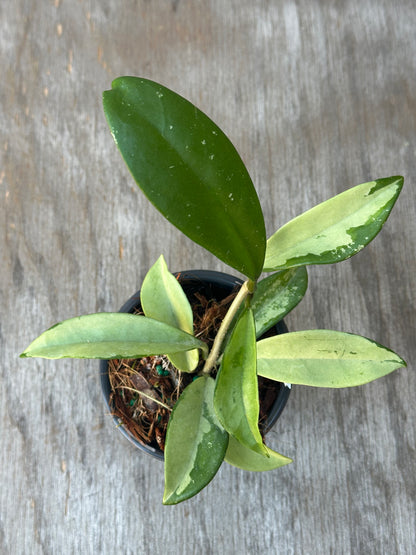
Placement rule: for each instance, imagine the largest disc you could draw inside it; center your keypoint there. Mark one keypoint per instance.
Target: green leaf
(236, 398)
(324, 358)
(111, 335)
(189, 170)
(247, 459)
(276, 295)
(195, 443)
(162, 298)
(336, 229)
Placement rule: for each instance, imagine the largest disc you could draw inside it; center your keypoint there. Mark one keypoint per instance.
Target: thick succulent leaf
(247, 459)
(111, 335)
(276, 295)
(195, 443)
(189, 170)
(236, 398)
(335, 229)
(324, 358)
(162, 298)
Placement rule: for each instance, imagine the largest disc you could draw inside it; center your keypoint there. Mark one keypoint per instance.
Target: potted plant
(128, 384)
(191, 172)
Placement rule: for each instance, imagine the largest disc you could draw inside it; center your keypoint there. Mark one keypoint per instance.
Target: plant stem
(246, 290)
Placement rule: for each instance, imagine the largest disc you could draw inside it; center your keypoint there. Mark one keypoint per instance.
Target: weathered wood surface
(317, 97)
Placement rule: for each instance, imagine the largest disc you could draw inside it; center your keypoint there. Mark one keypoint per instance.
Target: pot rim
(218, 279)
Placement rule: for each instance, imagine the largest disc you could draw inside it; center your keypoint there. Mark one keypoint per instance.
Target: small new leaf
(247, 459)
(162, 298)
(195, 443)
(110, 335)
(335, 229)
(236, 398)
(324, 358)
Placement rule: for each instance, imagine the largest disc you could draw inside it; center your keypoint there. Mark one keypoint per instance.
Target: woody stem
(246, 289)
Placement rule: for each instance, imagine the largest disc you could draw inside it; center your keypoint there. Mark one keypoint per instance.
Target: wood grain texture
(317, 97)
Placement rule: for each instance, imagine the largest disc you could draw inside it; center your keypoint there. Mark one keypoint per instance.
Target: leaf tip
(167, 500)
(402, 362)
(283, 459)
(399, 179)
(173, 498)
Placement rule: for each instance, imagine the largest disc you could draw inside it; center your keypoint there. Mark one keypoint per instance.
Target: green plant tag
(195, 443)
(162, 298)
(247, 459)
(276, 295)
(236, 398)
(324, 358)
(189, 170)
(111, 335)
(335, 229)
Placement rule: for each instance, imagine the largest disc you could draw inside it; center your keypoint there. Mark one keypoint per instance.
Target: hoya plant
(193, 175)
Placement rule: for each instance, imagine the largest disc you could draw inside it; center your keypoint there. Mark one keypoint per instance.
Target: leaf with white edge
(236, 398)
(108, 335)
(195, 443)
(189, 170)
(324, 358)
(162, 298)
(247, 459)
(276, 295)
(335, 229)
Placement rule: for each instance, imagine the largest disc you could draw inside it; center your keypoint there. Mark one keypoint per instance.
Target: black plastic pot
(213, 285)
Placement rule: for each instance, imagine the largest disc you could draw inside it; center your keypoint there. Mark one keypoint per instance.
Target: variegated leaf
(162, 298)
(247, 459)
(324, 358)
(195, 443)
(276, 295)
(236, 398)
(111, 335)
(335, 229)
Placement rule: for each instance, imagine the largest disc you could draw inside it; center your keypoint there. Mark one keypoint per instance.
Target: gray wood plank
(317, 97)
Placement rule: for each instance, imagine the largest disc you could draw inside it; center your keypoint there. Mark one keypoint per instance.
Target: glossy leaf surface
(335, 229)
(236, 398)
(324, 358)
(247, 459)
(276, 296)
(195, 443)
(111, 335)
(162, 298)
(189, 170)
